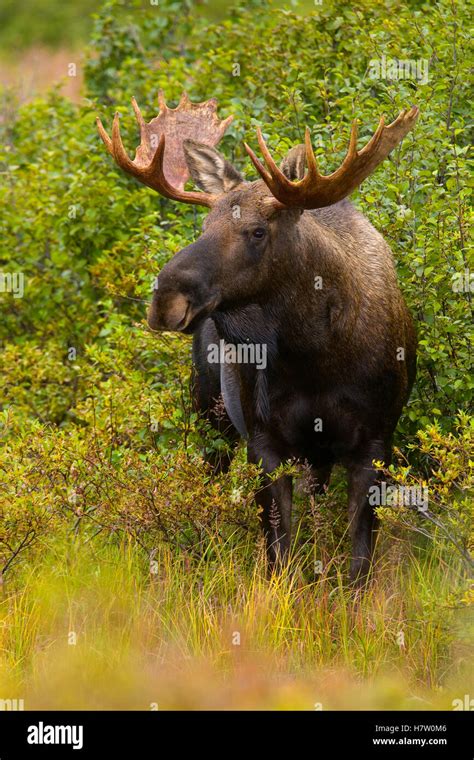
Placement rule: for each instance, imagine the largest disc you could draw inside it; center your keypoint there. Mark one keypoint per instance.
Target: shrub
(89, 240)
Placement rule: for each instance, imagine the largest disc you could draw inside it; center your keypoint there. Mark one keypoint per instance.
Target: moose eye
(259, 233)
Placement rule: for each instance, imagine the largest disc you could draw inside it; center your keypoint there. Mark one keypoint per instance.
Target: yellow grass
(93, 628)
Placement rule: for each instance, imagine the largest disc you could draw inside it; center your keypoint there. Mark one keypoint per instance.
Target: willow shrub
(76, 359)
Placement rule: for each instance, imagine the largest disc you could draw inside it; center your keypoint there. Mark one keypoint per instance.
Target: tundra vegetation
(132, 576)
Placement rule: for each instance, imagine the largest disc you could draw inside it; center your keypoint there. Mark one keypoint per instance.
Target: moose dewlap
(342, 353)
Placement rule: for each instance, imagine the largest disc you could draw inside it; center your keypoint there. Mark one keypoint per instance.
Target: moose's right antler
(167, 171)
(316, 190)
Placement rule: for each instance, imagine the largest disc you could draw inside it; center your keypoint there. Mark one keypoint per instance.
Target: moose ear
(209, 170)
(293, 165)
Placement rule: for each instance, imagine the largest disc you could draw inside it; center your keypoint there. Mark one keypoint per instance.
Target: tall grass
(98, 626)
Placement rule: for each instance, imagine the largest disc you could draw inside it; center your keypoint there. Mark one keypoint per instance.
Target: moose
(285, 262)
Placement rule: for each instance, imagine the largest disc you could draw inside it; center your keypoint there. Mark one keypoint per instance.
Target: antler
(167, 172)
(316, 190)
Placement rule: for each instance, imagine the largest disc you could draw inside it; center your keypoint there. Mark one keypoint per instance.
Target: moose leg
(362, 518)
(275, 499)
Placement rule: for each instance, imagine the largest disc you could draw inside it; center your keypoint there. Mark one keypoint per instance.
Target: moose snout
(180, 307)
(170, 312)
(185, 289)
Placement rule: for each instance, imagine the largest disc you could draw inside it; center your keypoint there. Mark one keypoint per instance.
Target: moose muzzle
(183, 294)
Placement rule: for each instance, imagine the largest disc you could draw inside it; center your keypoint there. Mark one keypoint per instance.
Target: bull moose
(286, 263)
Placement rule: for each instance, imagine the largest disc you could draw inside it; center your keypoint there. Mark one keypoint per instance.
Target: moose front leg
(362, 518)
(275, 499)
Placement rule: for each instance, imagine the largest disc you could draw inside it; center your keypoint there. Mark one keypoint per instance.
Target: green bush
(89, 240)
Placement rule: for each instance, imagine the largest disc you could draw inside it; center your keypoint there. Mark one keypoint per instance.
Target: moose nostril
(171, 315)
(175, 316)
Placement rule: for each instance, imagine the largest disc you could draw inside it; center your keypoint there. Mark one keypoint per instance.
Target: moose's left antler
(316, 190)
(163, 170)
